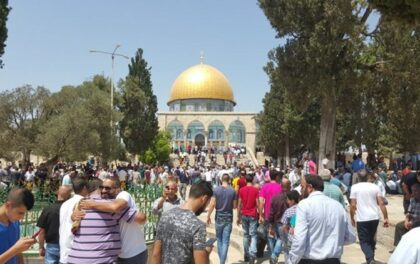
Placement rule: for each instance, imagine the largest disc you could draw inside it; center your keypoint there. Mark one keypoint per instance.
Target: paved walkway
(352, 253)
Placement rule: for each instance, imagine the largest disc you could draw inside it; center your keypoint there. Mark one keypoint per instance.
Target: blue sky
(49, 42)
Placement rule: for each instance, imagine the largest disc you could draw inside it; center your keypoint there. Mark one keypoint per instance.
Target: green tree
(4, 12)
(68, 136)
(399, 79)
(159, 150)
(284, 126)
(403, 11)
(22, 113)
(139, 123)
(319, 60)
(78, 124)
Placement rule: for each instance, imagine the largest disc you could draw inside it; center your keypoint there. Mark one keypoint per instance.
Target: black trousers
(366, 232)
(406, 204)
(324, 261)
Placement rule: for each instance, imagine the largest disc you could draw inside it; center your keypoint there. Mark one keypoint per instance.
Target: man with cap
(331, 190)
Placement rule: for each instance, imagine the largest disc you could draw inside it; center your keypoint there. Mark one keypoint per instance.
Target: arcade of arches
(209, 128)
(215, 134)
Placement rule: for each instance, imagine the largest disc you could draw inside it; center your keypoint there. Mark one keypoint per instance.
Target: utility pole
(113, 55)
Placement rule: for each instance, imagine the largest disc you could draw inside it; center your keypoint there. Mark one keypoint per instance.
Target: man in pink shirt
(309, 166)
(267, 192)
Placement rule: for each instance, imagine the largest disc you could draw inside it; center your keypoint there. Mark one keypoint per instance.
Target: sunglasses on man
(106, 188)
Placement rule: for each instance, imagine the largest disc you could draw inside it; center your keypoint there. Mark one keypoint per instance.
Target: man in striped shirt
(98, 239)
(133, 246)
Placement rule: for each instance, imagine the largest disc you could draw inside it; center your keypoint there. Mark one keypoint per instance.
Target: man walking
(365, 198)
(322, 226)
(267, 192)
(331, 190)
(49, 223)
(181, 236)
(224, 200)
(278, 207)
(248, 214)
(183, 182)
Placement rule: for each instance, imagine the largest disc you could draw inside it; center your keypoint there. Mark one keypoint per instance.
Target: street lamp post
(113, 55)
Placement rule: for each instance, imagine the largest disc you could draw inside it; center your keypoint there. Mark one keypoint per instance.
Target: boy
(288, 220)
(18, 202)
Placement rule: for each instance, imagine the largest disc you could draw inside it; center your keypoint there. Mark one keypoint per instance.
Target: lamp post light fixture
(113, 55)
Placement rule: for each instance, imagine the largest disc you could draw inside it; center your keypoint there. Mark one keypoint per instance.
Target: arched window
(218, 130)
(211, 134)
(194, 128)
(236, 132)
(179, 133)
(176, 129)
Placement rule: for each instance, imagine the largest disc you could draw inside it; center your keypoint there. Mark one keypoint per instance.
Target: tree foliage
(4, 12)
(284, 126)
(22, 113)
(159, 150)
(366, 83)
(78, 123)
(139, 123)
(318, 62)
(402, 11)
(398, 45)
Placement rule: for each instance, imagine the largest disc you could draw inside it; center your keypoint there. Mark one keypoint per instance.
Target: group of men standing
(311, 226)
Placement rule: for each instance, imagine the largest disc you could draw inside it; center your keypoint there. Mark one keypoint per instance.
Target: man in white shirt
(365, 198)
(80, 188)
(220, 174)
(408, 250)
(133, 245)
(30, 175)
(208, 175)
(322, 226)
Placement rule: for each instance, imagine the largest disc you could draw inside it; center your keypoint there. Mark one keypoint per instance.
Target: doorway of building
(199, 140)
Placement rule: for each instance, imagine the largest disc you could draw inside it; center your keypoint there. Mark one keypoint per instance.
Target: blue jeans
(52, 253)
(271, 241)
(223, 231)
(249, 225)
(274, 243)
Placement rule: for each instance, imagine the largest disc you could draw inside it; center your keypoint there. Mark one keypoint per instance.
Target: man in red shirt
(248, 215)
(242, 179)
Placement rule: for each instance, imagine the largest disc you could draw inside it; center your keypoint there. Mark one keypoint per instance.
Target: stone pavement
(352, 253)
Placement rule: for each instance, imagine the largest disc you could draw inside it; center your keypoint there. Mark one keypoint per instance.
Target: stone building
(201, 111)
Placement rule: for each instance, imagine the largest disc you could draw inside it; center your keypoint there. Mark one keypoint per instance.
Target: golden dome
(201, 81)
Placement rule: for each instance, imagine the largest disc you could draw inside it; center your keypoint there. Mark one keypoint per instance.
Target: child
(18, 202)
(289, 219)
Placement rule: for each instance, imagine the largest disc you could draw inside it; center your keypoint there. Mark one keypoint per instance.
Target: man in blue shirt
(18, 202)
(357, 164)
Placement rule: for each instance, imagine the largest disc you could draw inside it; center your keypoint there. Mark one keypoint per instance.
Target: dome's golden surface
(201, 81)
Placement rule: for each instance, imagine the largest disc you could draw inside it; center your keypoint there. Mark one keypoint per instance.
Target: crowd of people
(304, 212)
